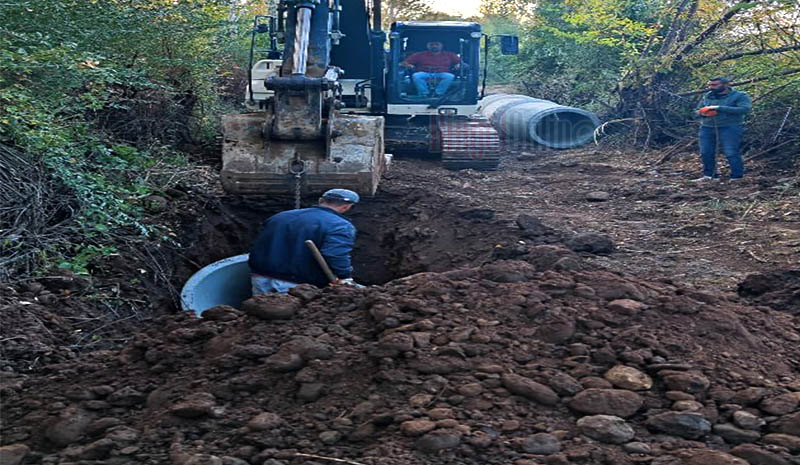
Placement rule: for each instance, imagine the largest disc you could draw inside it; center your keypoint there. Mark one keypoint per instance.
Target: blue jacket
(280, 250)
(733, 106)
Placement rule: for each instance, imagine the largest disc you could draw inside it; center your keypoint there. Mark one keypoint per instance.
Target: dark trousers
(730, 140)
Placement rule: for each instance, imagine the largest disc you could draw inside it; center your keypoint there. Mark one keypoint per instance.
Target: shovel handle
(321, 261)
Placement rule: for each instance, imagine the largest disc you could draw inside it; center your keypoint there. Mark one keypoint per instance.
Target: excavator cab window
(444, 56)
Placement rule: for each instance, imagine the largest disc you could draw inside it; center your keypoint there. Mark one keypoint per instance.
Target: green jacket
(733, 106)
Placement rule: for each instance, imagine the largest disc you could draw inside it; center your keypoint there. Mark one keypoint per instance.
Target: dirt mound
(779, 289)
(525, 361)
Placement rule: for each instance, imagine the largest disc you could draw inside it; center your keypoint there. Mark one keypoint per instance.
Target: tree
(408, 10)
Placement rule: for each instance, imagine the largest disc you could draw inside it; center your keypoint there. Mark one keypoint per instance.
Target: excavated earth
(577, 307)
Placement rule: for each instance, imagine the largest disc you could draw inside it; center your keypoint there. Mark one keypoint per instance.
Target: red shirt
(433, 62)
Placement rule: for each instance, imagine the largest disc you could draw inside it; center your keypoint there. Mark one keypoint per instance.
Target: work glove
(709, 110)
(348, 282)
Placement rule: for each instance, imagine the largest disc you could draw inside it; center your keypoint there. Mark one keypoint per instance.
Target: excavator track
(469, 143)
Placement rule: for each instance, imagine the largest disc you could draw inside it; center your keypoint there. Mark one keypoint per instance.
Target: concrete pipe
(519, 117)
(226, 282)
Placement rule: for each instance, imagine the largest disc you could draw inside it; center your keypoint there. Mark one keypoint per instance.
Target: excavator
(324, 108)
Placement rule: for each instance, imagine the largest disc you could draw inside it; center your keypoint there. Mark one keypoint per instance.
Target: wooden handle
(321, 261)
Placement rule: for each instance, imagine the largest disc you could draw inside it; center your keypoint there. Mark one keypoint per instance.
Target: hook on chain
(297, 167)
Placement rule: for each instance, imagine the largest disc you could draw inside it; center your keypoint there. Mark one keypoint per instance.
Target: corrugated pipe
(523, 118)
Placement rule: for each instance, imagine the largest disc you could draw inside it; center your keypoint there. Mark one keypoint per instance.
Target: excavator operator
(434, 63)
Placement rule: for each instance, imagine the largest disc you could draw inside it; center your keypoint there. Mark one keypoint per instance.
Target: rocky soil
(565, 309)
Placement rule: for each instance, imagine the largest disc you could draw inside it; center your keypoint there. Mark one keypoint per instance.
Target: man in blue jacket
(722, 111)
(280, 259)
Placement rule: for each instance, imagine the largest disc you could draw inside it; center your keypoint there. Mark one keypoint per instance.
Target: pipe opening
(564, 129)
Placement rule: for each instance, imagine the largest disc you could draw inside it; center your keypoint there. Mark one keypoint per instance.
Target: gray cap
(342, 195)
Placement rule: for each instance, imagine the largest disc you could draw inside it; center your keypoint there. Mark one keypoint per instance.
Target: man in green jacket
(722, 111)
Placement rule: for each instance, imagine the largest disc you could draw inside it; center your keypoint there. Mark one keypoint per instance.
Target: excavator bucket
(351, 156)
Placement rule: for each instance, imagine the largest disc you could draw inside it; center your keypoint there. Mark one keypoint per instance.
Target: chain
(297, 187)
(297, 168)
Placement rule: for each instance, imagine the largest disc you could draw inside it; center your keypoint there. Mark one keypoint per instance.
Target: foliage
(640, 60)
(95, 97)
(409, 10)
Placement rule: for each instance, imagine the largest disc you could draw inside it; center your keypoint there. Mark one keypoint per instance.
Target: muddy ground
(585, 306)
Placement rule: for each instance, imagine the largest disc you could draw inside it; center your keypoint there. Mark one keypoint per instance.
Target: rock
(438, 440)
(284, 362)
(97, 450)
(438, 365)
(556, 330)
(420, 400)
(628, 307)
(200, 459)
(330, 437)
(362, 432)
(122, 435)
(678, 395)
(470, 390)
(68, 427)
(440, 413)
(480, 439)
(272, 306)
(595, 382)
(787, 424)
(747, 420)
(606, 428)
(683, 424)
(510, 425)
(749, 396)
(126, 397)
(711, 457)
(229, 460)
(508, 271)
(758, 456)
(779, 405)
(734, 435)
(305, 291)
(196, 405)
(264, 421)
(540, 443)
(564, 384)
(416, 427)
(477, 214)
(687, 406)
(13, 454)
(393, 345)
(78, 393)
(590, 242)
(617, 402)
(691, 381)
(792, 443)
(532, 226)
(637, 448)
(529, 389)
(598, 196)
(310, 392)
(626, 377)
(221, 313)
(99, 426)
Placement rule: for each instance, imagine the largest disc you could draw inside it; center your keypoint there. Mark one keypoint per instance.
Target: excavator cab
(459, 39)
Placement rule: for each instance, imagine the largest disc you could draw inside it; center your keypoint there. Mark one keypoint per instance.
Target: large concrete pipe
(523, 118)
(226, 282)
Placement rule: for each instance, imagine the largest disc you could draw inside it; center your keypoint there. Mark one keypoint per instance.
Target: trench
(399, 234)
